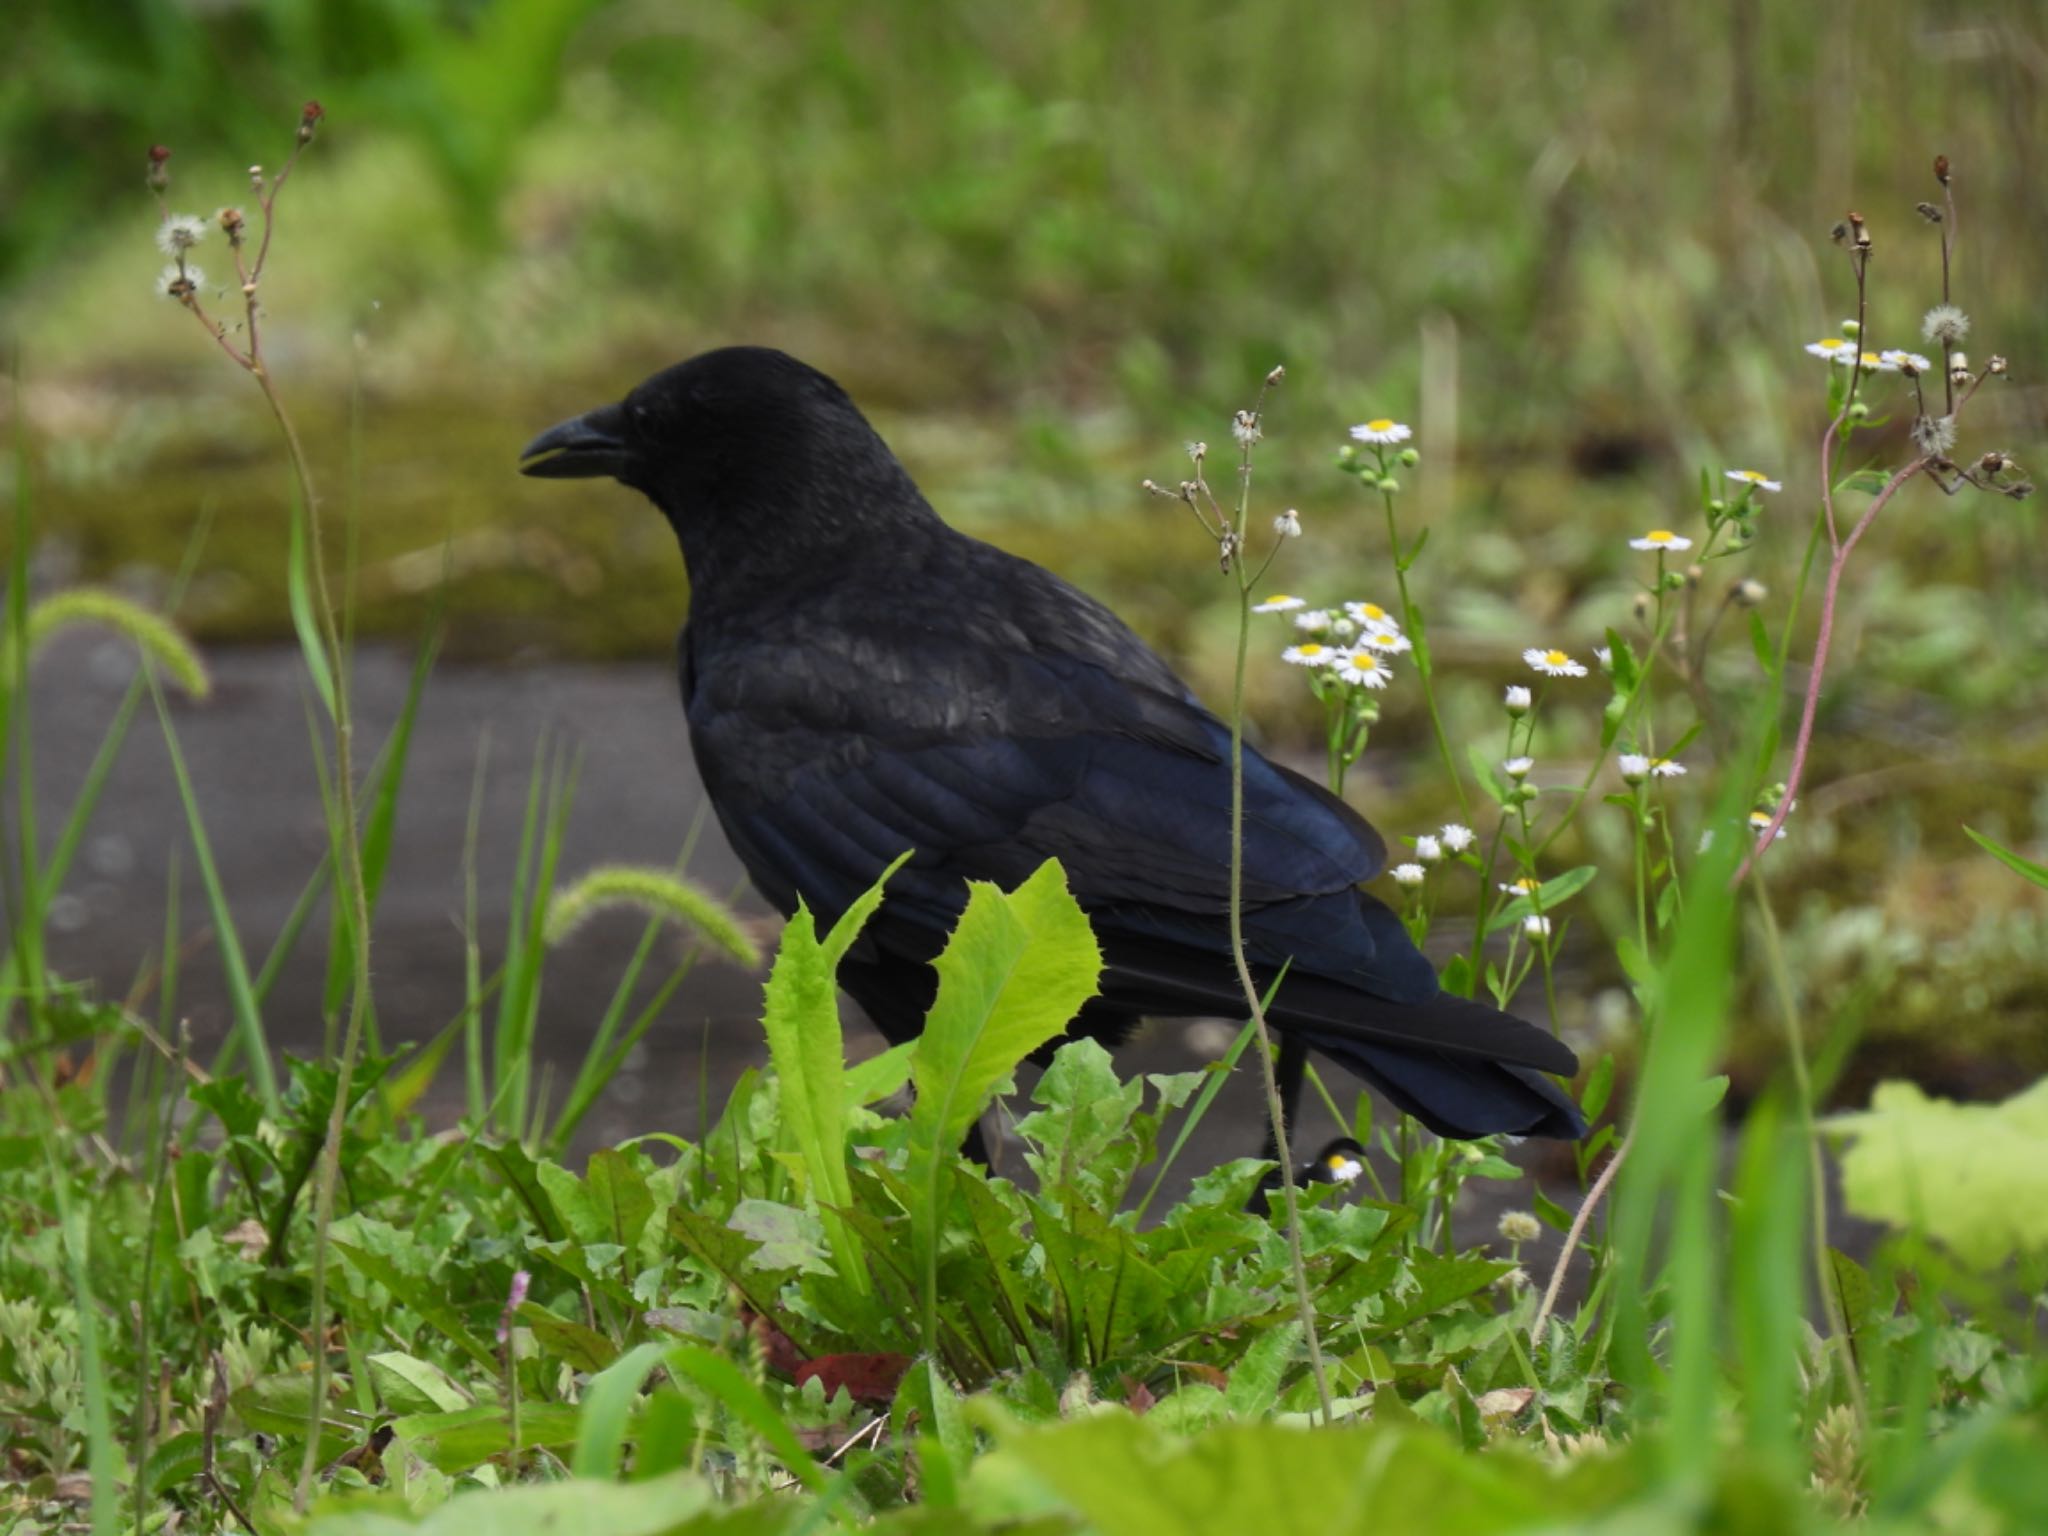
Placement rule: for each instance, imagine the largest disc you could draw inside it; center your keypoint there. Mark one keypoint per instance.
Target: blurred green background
(1578, 245)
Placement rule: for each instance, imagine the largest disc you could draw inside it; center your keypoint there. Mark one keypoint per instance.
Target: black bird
(860, 679)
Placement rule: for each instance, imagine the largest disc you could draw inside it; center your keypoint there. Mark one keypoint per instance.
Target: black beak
(584, 447)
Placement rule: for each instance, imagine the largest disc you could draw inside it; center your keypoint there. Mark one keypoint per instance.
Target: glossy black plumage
(861, 679)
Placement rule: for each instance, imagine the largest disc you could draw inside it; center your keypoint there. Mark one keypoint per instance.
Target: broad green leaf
(658, 1507)
(871, 1081)
(1013, 975)
(1972, 1176)
(410, 1385)
(789, 1238)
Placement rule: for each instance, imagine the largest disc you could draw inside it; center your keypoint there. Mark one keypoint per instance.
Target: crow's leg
(975, 1147)
(1288, 1070)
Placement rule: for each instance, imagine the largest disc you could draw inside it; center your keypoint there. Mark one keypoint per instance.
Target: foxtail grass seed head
(1945, 325)
(1456, 837)
(1288, 524)
(1934, 436)
(1517, 701)
(1520, 1227)
(1409, 874)
(1429, 849)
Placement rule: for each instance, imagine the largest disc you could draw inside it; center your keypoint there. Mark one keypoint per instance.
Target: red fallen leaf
(867, 1378)
(1195, 1370)
(1137, 1396)
(784, 1358)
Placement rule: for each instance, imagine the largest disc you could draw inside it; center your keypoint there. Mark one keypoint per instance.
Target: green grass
(1046, 249)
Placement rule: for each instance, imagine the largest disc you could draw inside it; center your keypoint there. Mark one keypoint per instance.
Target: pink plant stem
(1817, 673)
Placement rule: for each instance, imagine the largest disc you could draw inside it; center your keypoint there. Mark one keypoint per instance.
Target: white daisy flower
(1665, 768)
(1409, 874)
(1527, 885)
(1753, 477)
(1759, 823)
(1872, 362)
(1661, 538)
(1342, 627)
(1312, 653)
(1428, 849)
(1536, 926)
(1314, 621)
(1280, 602)
(1388, 642)
(1372, 616)
(1457, 838)
(1831, 347)
(1553, 663)
(1518, 767)
(179, 232)
(1517, 700)
(1363, 669)
(1634, 767)
(1911, 364)
(1381, 429)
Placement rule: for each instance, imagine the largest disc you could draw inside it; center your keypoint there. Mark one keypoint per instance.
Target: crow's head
(742, 449)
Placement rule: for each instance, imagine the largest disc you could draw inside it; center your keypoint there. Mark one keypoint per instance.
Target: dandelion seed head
(1945, 325)
(179, 232)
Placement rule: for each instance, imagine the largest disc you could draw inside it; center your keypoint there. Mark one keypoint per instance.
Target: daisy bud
(1520, 1227)
(1518, 767)
(1288, 524)
(309, 119)
(1389, 484)
(1693, 573)
(1536, 926)
(1410, 458)
(1428, 849)
(1850, 329)
(1941, 169)
(256, 179)
(1995, 366)
(1634, 767)
(1518, 701)
(1408, 874)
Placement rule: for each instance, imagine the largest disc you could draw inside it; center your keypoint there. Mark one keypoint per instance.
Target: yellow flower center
(1556, 658)
(1661, 535)
(1312, 649)
(1525, 884)
(1365, 661)
(1833, 343)
(1372, 610)
(1380, 424)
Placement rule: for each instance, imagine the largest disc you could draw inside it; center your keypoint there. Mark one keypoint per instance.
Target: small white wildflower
(1661, 538)
(1428, 849)
(1665, 768)
(1831, 347)
(1553, 663)
(1388, 642)
(1945, 323)
(1342, 627)
(1755, 478)
(1516, 1279)
(1244, 426)
(1760, 822)
(1634, 767)
(1362, 669)
(1748, 592)
(1604, 654)
(1409, 874)
(1312, 653)
(1279, 602)
(1934, 436)
(1288, 524)
(1372, 616)
(1526, 885)
(176, 281)
(1313, 621)
(1520, 1227)
(1381, 429)
(1518, 700)
(1518, 767)
(1911, 364)
(1457, 838)
(1536, 926)
(179, 232)
(1870, 362)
